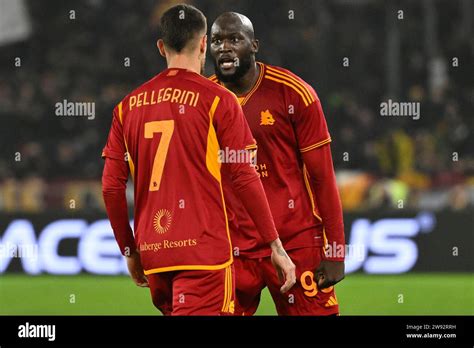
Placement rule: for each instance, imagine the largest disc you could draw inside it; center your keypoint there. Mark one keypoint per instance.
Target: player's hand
(136, 270)
(283, 264)
(329, 273)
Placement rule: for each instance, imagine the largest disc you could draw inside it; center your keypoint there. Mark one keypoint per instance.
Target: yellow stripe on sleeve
(306, 103)
(310, 193)
(293, 80)
(314, 146)
(251, 147)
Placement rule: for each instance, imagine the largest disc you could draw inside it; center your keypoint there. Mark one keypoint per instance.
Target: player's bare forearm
(286, 269)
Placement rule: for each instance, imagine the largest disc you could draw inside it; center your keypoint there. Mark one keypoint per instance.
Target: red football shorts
(194, 292)
(304, 298)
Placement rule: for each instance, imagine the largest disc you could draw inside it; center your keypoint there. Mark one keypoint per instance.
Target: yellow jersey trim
(226, 223)
(325, 239)
(229, 287)
(212, 163)
(292, 79)
(310, 193)
(251, 147)
(227, 290)
(314, 146)
(257, 84)
(224, 304)
(244, 99)
(230, 306)
(306, 97)
(129, 157)
(120, 113)
(189, 268)
(289, 85)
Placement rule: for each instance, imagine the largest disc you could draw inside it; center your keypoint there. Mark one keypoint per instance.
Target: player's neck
(246, 82)
(181, 61)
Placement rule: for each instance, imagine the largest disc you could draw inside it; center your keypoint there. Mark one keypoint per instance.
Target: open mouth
(227, 63)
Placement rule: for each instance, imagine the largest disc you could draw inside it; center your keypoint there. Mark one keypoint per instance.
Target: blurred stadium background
(407, 185)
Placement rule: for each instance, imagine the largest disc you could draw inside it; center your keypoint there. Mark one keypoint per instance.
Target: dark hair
(180, 24)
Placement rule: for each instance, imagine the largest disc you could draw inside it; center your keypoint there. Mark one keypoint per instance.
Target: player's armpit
(114, 184)
(319, 165)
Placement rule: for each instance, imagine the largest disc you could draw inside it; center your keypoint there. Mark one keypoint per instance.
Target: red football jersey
(170, 130)
(286, 118)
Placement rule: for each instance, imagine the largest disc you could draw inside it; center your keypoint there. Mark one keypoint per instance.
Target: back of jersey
(170, 128)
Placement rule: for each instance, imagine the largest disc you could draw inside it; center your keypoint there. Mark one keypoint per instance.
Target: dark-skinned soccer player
(295, 164)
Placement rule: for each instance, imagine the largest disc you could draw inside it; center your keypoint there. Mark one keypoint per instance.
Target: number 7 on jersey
(166, 129)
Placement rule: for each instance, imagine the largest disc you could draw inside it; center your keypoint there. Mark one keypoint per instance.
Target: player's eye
(235, 39)
(216, 41)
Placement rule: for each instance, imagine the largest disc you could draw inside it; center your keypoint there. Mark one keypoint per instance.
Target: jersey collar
(244, 99)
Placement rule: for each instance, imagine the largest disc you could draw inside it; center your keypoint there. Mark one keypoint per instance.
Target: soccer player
(170, 130)
(295, 165)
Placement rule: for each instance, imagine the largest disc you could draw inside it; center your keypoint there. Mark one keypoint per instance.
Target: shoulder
(291, 83)
(219, 88)
(211, 84)
(213, 78)
(137, 90)
(201, 84)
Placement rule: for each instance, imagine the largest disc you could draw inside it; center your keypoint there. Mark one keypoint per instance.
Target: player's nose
(225, 46)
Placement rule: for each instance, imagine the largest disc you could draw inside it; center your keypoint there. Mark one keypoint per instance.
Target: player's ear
(203, 44)
(255, 45)
(161, 47)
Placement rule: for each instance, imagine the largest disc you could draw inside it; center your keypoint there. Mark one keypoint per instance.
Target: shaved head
(236, 20)
(233, 46)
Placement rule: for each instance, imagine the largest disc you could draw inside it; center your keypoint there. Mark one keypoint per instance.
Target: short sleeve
(310, 125)
(115, 147)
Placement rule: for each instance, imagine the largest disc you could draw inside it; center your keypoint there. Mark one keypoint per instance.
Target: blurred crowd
(103, 49)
